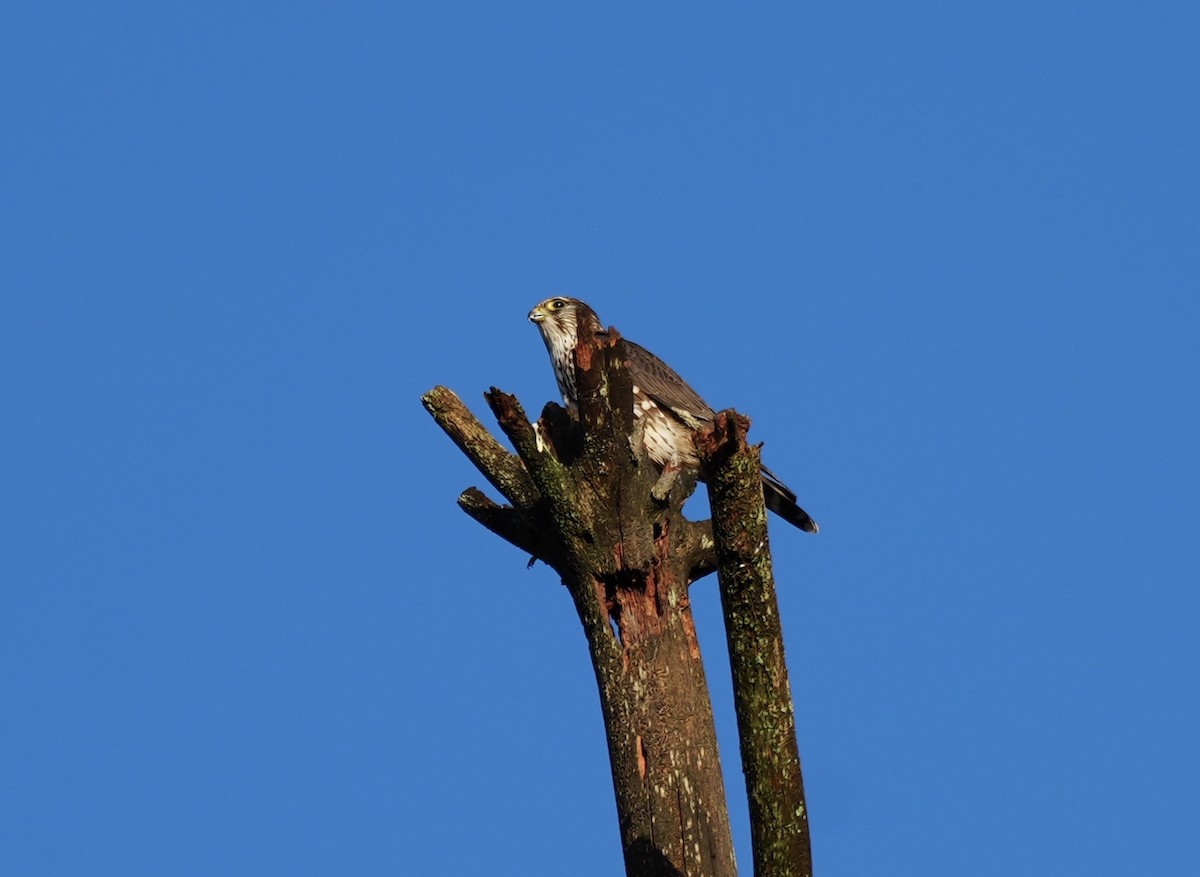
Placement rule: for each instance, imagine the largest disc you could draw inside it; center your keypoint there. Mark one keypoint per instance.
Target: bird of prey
(672, 410)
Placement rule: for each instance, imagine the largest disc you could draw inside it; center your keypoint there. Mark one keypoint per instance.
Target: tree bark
(585, 499)
(762, 695)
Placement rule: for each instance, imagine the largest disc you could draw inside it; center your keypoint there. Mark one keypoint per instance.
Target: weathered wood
(504, 470)
(762, 695)
(510, 524)
(627, 558)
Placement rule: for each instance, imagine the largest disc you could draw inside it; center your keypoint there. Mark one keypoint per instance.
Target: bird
(672, 410)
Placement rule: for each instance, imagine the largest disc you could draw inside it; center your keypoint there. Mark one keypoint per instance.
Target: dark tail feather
(782, 502)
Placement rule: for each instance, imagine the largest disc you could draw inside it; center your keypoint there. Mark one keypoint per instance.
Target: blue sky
(945, 256)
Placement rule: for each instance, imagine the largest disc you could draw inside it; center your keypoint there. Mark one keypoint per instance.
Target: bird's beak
(537, 315)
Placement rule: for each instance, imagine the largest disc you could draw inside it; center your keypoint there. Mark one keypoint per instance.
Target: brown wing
(671, 393)
(662, 384)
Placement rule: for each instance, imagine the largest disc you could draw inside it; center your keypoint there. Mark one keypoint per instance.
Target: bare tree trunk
(586, 500)
(762, 695)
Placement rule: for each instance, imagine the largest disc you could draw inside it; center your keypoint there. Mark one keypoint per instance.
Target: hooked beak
(537, 315)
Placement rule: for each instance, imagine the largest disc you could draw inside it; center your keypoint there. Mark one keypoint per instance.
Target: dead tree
(584, 498)
(762, 695)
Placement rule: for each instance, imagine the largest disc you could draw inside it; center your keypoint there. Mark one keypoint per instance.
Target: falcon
(671, 409)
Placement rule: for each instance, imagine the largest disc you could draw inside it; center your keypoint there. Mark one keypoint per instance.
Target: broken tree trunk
(761, 693)
(586, 500)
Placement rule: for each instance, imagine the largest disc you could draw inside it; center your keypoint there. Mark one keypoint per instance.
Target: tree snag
(580, 493)
(761, 693)
(584, 498)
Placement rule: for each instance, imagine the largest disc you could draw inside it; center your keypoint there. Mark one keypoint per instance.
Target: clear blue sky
(945, 255)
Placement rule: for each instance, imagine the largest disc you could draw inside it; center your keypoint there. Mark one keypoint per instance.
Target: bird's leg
(670, 470)
(666, 480)
(638, 437)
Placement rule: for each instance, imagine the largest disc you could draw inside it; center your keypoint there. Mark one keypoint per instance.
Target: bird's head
(560, 318)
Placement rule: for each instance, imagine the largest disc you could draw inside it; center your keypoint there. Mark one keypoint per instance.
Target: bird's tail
(782, 502)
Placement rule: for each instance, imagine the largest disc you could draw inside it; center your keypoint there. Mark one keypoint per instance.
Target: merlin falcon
(672, 410)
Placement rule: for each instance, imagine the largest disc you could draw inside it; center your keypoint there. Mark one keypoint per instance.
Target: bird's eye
(557, 304)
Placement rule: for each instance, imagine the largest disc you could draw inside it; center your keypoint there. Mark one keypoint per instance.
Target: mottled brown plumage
(671, 409)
